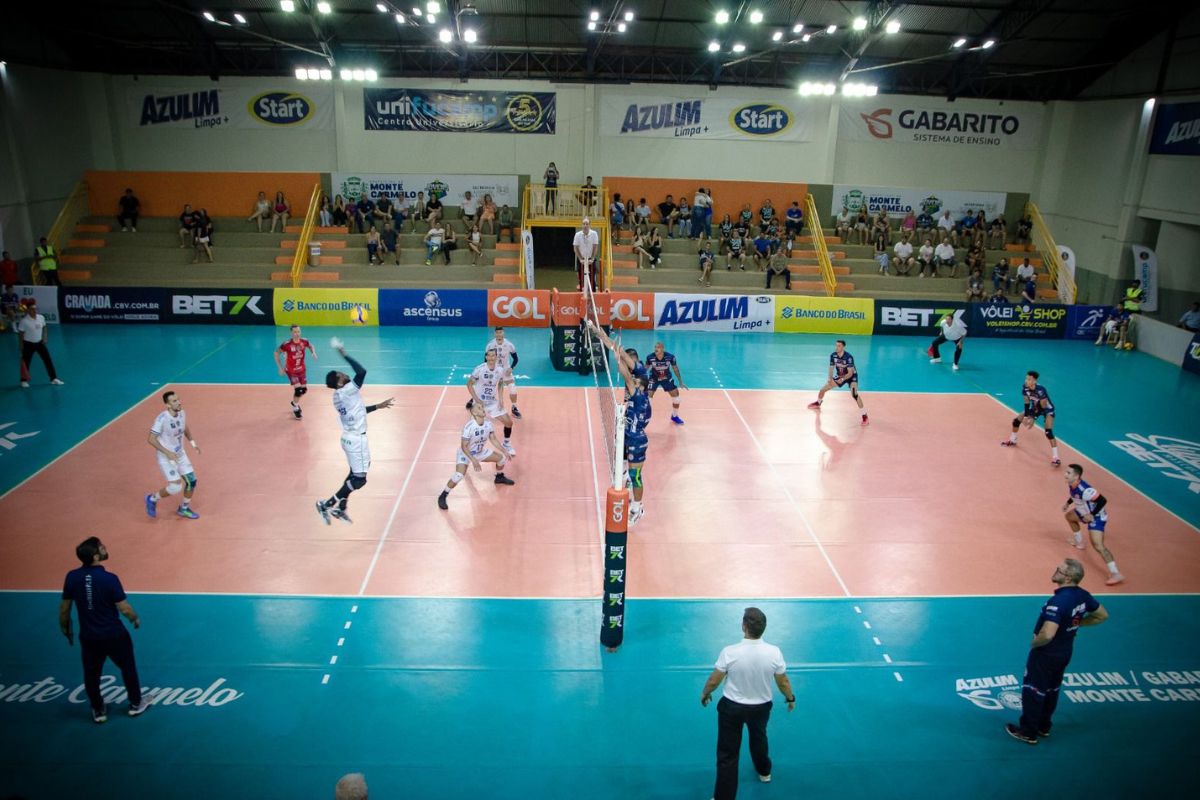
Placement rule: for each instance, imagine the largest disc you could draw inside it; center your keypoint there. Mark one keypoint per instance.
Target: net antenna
(610, 403)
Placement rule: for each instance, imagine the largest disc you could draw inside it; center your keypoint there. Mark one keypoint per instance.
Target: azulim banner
(283, 106)
(327, 307)
(824, 315)
(946, 126)
(715, 312)
(899, 201)
(674, 117)
(1176, 130)
(457, 111)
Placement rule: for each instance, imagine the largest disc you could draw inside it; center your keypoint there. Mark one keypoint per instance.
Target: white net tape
(609, 393)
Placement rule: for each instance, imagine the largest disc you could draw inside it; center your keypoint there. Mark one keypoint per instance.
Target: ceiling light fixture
(326, 74)
(799, 26)
(288, 6)
(739, 48)
(430, 18)
(620, 27)
(714, 46)
(382, 8)
(208, 16)
(591, 26)
(776, 36)
(399, 18)
(370, 75)
(444, 36)
(722, 17)
(359, 75)
(859, 90)
(470, 36)
(347, 75)
(240, 19)
(756, 16)
(959, 42)
(860, 23)
(629, 16)
(594, 16)
(301, 74)
(988, 44)
(831, 29)
(416, 11)
(433, 7)
(314, 74)
(806, 37)
(324, 8)
(893, 27)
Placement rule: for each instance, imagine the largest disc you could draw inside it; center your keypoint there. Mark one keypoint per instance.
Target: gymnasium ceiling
(1043, 49)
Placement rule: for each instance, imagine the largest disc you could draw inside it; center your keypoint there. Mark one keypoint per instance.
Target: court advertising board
(220, 306)
(688, 117)
(801, 314)
(447, 110)
(274, 107)
(114, 304)
(1083, 322)
(1023, 320)
(46, 298)
(326, 307)
(715, 312)
(519, 308)
(433, 307)
(900, 200)
(446, 187)
(916, 317)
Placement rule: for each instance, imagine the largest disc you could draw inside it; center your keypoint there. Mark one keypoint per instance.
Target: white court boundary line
(592, 598)
(587, 404)
(786, 489)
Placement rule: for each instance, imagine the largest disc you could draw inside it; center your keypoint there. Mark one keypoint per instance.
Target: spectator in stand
(724, 233)
(127, 217)
(616, 212)
(281, 209)
(373, 246)
(10, 310)
(739, 245)
(1029, 293)
(1000, 277)
(925, 259)
(862, 224)
(842, 226)
(640, 244)
(187, 221)
(706, 264)
(975, 286)
(762, 250)
(881, 254)
(641, 213)
(33, 330)
(882, 226)
(998, 298)
(708, 213)
(487, 215)
(419, 211)
(203, 229)
(475, 244)
(588, 196)
(684, 217)
(908, 225)
(975, 258)
(324, 216)
(654, 247)
(1189, 321)
(340, 216)
(449, 243)
(550, 181)
(904, 256)
(795, 219)
(926, 225)
(766, 215)
(746, 217)
(383, 209)
(700, 211)
(773, 241)
(778, 265)
(668, 213)
(352, 786)
(434, 210)
(787, 246)
(1024, 229)
(966, 226)
(433, 242)
(505, 222)
(364, 212)
(999, 232)
(389, 242)
(399, 211)
(948, 230)
(979, 237)
(944, 256)
(469, 209)
(261, 211)
(1026, 272)
(981, 223)
(8, 270)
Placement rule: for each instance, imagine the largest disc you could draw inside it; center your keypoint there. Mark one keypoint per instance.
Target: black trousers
(940, 340)
(731, 717)
(120, 650)
(127, 219)
(27, 351)
(50, 276)
(1039, 692)
(787, 277)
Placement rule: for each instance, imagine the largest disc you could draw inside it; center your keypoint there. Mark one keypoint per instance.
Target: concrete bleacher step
(92, 228)
(86, 244)
(310, 275)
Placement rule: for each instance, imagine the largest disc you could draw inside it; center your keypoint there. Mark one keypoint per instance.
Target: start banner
(802, 314)
(1025, 320)
(519, 308)
(327, 307)
(715, 312)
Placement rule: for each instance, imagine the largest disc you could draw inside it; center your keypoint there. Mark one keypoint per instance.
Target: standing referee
(749, 666)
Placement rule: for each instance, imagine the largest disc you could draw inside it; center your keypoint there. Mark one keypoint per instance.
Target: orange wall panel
(224, 194)
(728, 196)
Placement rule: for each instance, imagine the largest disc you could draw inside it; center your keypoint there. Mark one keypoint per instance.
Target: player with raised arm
(659, 365)
(167, 435)
(486, 384)
(1037, 404)
(473, 449)
(352, 413)
(1086, 505)
(506, 356)
(842, 372)
(294, 369)
(637, 417)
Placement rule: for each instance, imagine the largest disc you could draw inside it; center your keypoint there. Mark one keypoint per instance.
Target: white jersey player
(478, 444)
(167, 436)
(352, 413)
(506, 356)
(486, 383)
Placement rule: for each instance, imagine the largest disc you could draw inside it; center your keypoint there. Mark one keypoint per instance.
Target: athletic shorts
(635, 449)
(667, 385)
(298, 378)
(852, 381)
(463, 460)
(358, 454)
(174, 471)
(1097, 523)
(493, 409)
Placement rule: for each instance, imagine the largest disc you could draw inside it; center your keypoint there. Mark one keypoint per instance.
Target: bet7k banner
(456, 111)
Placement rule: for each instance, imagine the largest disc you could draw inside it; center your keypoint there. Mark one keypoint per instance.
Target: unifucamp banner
(448, 111)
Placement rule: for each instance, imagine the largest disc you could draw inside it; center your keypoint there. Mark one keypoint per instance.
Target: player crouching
(479, 443)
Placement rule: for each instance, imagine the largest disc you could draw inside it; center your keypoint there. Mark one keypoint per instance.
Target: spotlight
(776, 36)
(831, 29)
(714, 46)
(324, 8)
(208, 16)
(620, 27)
(444, 36)
(469, 36)
(806, 37)
(591, 26)
(722, 17)
(739, 48)
(959, 42)
(416, 11)
(430, 18)
(314, 74)
(326, 74)
(594, 16)
(988, 44)
(382, 8)
(301, 74)
(433, 6)
(797, 27)
(860, 23)
(629, 16)
(241, 20)
(359, 75)
(347, 75)
(756, 17)
(287, 5)
(399, 18)
(893, 27)
(370, 75)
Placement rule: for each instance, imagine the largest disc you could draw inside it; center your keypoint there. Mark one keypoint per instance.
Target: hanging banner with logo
(455, 111)
(297, 106)
(1176, 130)
(447, 188)
(802, 314)
(916, 317)
(433, 307)
(220, 306)
(1145, 269)
(519, 308)
(715, 312)
(899, 201)
(327, 307)
(1025, 320)
(666, 117)
(527, 249)
(1066, 258)
(943, 125)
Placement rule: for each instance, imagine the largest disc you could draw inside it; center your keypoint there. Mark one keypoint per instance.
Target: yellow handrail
(1063, 280)
(818, 237)
(310, 218)
(74, 208)
(571, 203)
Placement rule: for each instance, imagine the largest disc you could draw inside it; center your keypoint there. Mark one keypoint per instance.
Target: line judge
(586, 244)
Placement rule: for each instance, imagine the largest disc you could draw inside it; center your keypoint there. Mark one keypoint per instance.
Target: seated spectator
(841, 227)
(1115, 326)
(449, 243)
(469, 209)
(762, 251)
(129, 208)
(975, 258)
(433, 242)
(908, 225)
(364, 212)
(1026, 272)
(881, 254)
(773, 240)
(925, 259)
(745, 216)
(187, 222)
(795, 219)
(998, 298)
(981, 223)
(778, 265)
(966, 225)
(324, 216)
(10, 307)
(373, 246)
(203, 228)
(616, 212)
(1189, 321)
(736, 249)
(706, 265)
(487, 215)
(766, 214)
(8, 270)
(400, 211)
(475, 244)
(975, 286)
(787, 245)
(1000, 277)
(281, 209)
(389, 242)
(641, 213)
(668, 213)
(1029, 293)
(434, 210)
(639, 248)
(904, 260)
(882, 226)
(505, 222)
(998, 232)
(948, 229)
(1024, 229)
(724, 233)
(979, 238)
(684, 220)
(419, 210)
(383, 210)
(654, 248)
(862, 224)
(944, 256)
(340, 215)
(925, 225)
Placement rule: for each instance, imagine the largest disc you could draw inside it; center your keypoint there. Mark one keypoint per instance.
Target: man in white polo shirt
(904, 260)
(747, 668)
(586, 244)
(945, 224)
(32, 328)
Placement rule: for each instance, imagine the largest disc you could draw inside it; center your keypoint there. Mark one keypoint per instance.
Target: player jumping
(842, 372)
(294, 370)
(352, 413)
(659, 365)
(637, 417)
(1086, 505)
(506, 355)
(477, 434)
(486, 384)
(1037, 404)
(167, 435)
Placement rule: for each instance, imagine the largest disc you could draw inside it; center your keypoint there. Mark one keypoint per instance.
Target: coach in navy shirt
(1053, 642)
(98, 598)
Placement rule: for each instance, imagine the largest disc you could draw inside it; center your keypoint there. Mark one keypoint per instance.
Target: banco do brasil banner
(801, 314)
(456, 111)
(326, 306)
(447, 188)
(1176, 130)
(900, 201)
(944, 125)
(266, 107)
(666, 117)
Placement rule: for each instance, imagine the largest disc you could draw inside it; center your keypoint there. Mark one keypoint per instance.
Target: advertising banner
(1176, 130)
(916, 317)
(715, 312)
(942, 125)
(46, 298)
(1191, 358)
(433, 307)
(220, 306)
(519, 308)
(672, 117)
(1029, 321)
(899, 201)
(566, 309)
(824, 314)
(1145, 269)
(447, 188)
(457, 111)
(116, 304)
(286, 106)
(527, 250)
(630, 310)
(1083, 322)
(327, 307)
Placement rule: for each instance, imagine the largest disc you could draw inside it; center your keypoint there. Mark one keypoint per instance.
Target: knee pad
(854, 392)
(296, 393)
(635, 477)
(1016, 422)
(174, 487)
(189, 481)
(1050, 435)
(457, 477)
(301, 391)
(356, 482)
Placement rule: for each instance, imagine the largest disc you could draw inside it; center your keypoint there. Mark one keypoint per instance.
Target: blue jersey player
(637, 417)
(659, 366)
(1085, 505)
(842, 372)
(1037, 404)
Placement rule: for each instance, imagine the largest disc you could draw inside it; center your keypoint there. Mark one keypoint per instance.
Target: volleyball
(359, 315)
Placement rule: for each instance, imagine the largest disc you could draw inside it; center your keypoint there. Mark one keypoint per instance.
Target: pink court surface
(755, 497)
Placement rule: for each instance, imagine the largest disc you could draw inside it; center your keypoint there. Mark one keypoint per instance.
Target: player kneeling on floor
(479, 444)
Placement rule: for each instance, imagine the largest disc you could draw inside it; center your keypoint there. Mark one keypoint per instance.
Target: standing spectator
(699, 207)
(389, 242)
(946, 224)
(975, 286)
(795, 219)
(203, 228)
(616, 212)
(351, 787)
(1050, 652)
(98, 597)
(340, 215)
(324, 215)
(1134, 297)
(999, 232)
(487, 215)
(550, 179)
(10, 310)
(1000, 278)
(904, 257)
(262, 210)
(281, 209)
(46, 260)
(34, 332)
(449, 243)
(433, 242)
(1024, 229)
(373, 246)
(474, 244)
(925, 224)
(469, 209)
(434, 210)
(586, 246)
(187, 221)
(842, 228)
(943, 255)
(642, 212)
(364, 212)
(747, 669)
(8, 270)
(1189, 321)
(684, 217)
(505, 221)
(588, 195)
(778, 265)
(419, 210)
(669, 213)
(127, 217)
(708, 213)
(925, 259)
